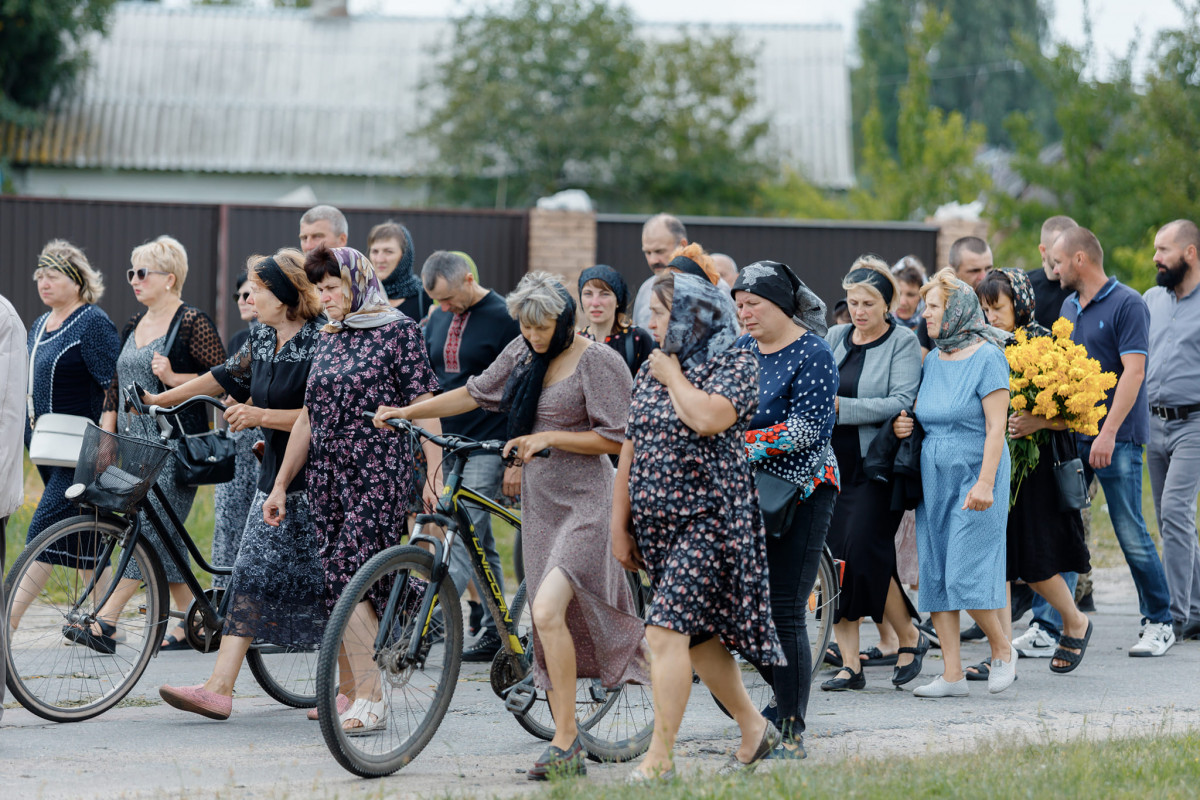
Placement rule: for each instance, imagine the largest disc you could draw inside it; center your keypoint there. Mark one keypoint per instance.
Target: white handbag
(57, 439)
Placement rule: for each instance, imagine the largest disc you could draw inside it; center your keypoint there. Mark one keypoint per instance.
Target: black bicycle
(402, 657)
(64, 577)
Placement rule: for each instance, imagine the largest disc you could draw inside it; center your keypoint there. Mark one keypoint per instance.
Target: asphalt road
(147, 749)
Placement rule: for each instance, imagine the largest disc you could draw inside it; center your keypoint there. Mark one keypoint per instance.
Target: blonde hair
(696, 253)
(59, 249)
(536, 301)
(166, 254)
(945, 279)
(291, 264)
(875, 264)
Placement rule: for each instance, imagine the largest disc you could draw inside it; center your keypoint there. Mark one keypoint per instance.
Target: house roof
(219, 89)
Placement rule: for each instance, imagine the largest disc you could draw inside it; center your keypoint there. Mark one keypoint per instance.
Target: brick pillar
(562, 242)
(951, 230)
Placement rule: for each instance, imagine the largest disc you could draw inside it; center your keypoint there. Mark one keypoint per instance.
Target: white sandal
(363, 710)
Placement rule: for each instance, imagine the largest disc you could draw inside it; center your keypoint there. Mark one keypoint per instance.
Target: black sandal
(876, 658)
(982, 670)
(910, 671)
(1073, 659)
(833, 655)
(104, 643)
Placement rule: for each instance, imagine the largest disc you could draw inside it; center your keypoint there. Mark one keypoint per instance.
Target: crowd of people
(710, 428)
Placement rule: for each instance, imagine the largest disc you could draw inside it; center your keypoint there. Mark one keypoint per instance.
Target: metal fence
(820, 252)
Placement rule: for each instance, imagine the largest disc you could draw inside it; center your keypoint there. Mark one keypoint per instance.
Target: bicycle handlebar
(455, 444)
(133, 398)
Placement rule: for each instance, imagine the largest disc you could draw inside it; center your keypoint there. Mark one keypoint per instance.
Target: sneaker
(1086, 603)
(1035, 643)
(484, 650)
(1156, 639)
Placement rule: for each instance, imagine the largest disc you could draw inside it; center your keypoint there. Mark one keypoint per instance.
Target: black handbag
(777, 499)
(201, 458)
(1070, 480)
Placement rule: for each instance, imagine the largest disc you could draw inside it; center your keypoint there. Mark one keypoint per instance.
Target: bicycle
(64, 577)
(410, 650)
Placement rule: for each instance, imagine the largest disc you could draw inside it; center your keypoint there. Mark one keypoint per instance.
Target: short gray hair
(336, 219)
(537, 300)
(673, 225)
(444, 264)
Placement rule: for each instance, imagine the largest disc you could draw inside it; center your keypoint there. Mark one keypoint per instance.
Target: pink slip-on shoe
(343, 705)
(197, 700)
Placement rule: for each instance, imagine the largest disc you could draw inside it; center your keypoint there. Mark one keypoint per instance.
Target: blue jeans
(1122, 484)
(1046, 615)
(483, 473)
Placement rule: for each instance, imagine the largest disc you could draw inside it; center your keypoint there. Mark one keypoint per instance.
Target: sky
(1115, 21)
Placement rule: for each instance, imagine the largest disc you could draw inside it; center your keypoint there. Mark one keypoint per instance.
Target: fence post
(562, 242)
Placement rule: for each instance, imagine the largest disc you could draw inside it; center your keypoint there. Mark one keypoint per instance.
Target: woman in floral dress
(684, 509)
(360, 479)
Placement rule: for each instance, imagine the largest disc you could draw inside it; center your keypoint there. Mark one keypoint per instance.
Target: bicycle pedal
(520, 698)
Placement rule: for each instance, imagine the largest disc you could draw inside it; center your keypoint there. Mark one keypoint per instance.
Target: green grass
(1160, 766)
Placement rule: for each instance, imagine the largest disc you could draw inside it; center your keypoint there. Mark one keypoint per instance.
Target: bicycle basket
(117, 471)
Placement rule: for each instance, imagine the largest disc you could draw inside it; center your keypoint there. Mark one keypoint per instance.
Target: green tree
(974, 70)
(542, 95)
(42, 51)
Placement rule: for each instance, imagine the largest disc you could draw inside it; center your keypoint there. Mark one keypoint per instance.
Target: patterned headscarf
(1024, 302)
(703, 321)
(963, 322)
(368, 306)
(777, 282)
(63, 265)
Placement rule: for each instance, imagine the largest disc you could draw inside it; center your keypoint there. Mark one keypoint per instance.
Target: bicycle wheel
(46, 593)
(822, 602)
(415, 694)
(287, 674)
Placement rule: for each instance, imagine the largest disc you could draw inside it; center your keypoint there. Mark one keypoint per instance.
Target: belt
(1171, 414)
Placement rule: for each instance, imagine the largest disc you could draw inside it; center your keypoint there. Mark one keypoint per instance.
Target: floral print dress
(360, 478)
(695, 518)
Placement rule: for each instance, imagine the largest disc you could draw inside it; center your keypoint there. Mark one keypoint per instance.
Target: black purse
(201, 458)
(1070, 480)
(777, 499)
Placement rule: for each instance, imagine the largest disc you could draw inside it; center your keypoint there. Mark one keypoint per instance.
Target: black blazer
(897, 461)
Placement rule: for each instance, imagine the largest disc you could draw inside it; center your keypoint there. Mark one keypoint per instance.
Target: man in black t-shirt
(1047, 291)
(971, 259)
(464, 335)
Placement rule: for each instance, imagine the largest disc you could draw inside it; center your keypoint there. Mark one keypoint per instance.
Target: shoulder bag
(1070, 480)
(201, 458)
(57, 438)
(777, 500)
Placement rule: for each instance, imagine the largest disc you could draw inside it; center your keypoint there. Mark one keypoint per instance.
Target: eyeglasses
(141, 272)
(241, 297)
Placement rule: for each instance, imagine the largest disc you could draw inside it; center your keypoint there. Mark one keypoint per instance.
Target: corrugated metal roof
(213, 89)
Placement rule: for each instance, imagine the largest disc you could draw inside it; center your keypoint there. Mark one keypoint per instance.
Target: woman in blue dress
(962, 406)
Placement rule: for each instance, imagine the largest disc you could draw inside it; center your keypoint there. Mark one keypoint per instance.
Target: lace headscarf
(703, 321)
(963, 321)
(367, 306)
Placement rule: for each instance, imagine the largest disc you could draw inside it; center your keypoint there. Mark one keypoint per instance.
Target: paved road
(147, 749)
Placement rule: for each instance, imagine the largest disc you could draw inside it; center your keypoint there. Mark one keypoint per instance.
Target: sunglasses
(141, 272)
(241, 297)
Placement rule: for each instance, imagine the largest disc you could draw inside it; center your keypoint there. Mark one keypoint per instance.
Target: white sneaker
(1035, 643)
(943, 688)
(1002, 674)
(1156, 639)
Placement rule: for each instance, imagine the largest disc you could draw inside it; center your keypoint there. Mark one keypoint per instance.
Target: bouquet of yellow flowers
(1053, 377)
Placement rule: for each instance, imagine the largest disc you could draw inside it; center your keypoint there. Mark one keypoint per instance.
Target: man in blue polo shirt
(1113, 323)
(1173, 388)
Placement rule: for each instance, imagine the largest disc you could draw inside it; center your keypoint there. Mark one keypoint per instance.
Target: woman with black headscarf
(604, 299)
(684, 510)
(789, 439)
(571, 395)
(390, 248)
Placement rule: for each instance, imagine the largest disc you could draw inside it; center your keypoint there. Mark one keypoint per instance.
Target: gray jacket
(890, 378)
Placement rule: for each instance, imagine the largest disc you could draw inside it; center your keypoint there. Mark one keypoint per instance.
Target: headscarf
(269, 273)
(874, 279)
(368, 306)
(402, 282)
(963, 322)
(1024, 302)
(63, 265)
(523, 389)
(610, 277)
(703, 321)
(776, 282)
(470, 263)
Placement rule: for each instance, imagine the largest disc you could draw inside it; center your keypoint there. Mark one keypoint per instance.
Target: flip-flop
(876, 658)
(1073, 659)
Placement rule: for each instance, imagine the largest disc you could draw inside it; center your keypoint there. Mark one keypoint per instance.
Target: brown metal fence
(820, 252)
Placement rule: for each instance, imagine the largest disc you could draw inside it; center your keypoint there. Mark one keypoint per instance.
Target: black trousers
(793, 560)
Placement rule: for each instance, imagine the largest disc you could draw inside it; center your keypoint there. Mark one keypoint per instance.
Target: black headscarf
(776, 282)
(523, 389)
(402, 282)
(688, 267)
(614, 281)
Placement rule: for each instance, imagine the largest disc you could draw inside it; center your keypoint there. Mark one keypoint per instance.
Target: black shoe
(857, 680)
(973, 633)
(476, 619)
(1086, 604)
(770, 712)
(1022, 600)
(556, 763)
(910, 671)
(1191, 630)
(484, 650)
